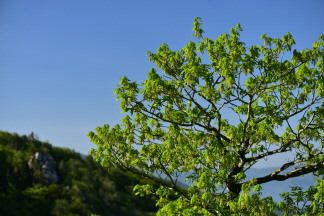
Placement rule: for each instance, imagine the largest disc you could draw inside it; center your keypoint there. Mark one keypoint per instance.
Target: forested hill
(37, 178)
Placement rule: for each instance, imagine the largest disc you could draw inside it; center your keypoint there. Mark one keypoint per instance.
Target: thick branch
(294, 173)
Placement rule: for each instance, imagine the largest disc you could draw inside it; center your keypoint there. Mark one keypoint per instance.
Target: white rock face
(45, 162)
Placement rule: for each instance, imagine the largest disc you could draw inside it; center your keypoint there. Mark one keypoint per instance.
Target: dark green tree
(184, 120)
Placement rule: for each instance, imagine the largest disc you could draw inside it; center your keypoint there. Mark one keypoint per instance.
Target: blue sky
(61, 59)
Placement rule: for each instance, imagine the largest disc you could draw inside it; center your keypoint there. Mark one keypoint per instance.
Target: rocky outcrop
(46, 164)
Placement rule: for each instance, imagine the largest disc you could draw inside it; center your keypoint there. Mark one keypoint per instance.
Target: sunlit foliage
(214, 109)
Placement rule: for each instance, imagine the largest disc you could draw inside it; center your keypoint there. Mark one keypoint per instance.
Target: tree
(183, 121)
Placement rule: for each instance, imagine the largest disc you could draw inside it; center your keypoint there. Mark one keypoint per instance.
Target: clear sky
(60, 60)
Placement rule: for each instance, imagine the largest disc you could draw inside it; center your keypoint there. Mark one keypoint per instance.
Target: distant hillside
(37, 178)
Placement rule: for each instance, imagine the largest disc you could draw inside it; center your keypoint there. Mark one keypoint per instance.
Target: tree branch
(294, 173)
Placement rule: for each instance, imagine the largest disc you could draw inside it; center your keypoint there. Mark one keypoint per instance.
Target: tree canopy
(214, 109)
